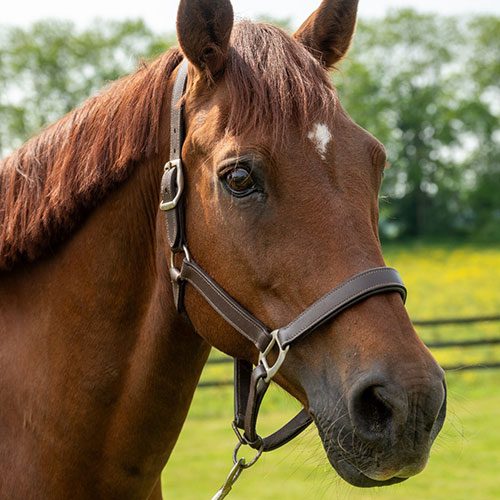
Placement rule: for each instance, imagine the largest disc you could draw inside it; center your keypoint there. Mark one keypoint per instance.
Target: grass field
(465, 464)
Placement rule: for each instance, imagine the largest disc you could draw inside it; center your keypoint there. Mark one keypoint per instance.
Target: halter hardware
(272, 370)
(166, 205)
(175, 273)
(239, 465)
(251, 383)
(232, 477)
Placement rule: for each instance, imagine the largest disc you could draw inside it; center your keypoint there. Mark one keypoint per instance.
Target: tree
(410, 80)
(51, 67)
(427, 86)
(483, 165)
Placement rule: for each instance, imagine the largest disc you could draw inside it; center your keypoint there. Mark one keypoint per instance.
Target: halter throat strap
(251, 383)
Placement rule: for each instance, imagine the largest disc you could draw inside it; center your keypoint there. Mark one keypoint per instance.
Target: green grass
(447, 281)
(465, 462)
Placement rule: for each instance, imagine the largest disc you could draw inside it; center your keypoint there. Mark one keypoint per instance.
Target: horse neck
(121, 364)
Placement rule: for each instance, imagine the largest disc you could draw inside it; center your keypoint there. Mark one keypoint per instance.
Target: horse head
(281, 206)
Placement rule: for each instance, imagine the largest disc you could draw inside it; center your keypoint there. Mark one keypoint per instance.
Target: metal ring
(174, 272)
(172, 260)
(187, 255)
(239, 435)
(244, 464)
(272, 370)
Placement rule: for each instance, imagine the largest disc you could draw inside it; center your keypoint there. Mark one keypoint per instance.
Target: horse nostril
(375, 410)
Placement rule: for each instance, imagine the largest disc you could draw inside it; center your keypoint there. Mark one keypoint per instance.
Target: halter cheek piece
(251, 383)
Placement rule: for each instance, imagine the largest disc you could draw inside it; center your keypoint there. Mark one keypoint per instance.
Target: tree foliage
(426, 86)
(51, 67)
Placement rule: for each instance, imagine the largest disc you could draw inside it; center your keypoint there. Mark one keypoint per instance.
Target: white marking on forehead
(321, 136)
(201, 118)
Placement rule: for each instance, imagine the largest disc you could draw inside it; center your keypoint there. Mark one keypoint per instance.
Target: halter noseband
(251, 383)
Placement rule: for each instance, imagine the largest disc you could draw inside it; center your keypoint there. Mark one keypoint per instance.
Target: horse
(99, 363)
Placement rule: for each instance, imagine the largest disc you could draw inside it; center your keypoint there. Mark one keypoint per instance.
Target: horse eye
(239, 182)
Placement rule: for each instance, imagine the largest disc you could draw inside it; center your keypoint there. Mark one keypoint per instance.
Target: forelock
(273, 82)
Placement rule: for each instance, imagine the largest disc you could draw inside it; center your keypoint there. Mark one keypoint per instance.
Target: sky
(160, 14)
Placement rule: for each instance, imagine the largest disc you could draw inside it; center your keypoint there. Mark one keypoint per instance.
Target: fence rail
(442, 344)
(456, 321)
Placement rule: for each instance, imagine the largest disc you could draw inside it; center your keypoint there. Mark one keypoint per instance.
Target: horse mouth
(355, 477)
(365, 466)
(379, 448)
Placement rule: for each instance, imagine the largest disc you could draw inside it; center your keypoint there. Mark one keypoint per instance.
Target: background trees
(425, 85)
(51, 67)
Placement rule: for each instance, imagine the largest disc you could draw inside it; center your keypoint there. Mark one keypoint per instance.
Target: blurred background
(421, 76)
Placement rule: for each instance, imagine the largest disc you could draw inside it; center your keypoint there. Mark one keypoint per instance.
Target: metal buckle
(272, 370)
(166, 206)
(174, 272)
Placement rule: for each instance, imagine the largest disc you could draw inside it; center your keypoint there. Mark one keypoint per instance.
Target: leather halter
(251, 383)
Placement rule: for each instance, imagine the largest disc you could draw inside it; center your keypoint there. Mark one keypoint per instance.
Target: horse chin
(355, 477)
(369, 469)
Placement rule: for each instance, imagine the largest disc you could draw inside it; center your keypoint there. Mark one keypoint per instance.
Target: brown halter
(251, 383)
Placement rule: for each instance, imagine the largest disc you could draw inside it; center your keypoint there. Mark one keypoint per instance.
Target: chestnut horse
(98, 368)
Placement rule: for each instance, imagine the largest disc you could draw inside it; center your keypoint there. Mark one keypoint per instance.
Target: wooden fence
(440, 344)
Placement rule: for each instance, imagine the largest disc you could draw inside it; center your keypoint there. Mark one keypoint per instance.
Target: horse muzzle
(382, 431)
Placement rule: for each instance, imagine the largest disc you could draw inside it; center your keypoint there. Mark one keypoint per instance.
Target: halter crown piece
(250, 383)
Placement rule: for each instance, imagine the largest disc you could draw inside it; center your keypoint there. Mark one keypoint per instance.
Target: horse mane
(50, 184)
(55, 179)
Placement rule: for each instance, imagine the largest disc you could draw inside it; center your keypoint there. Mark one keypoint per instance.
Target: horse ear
(203, 29)
(328, 31)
